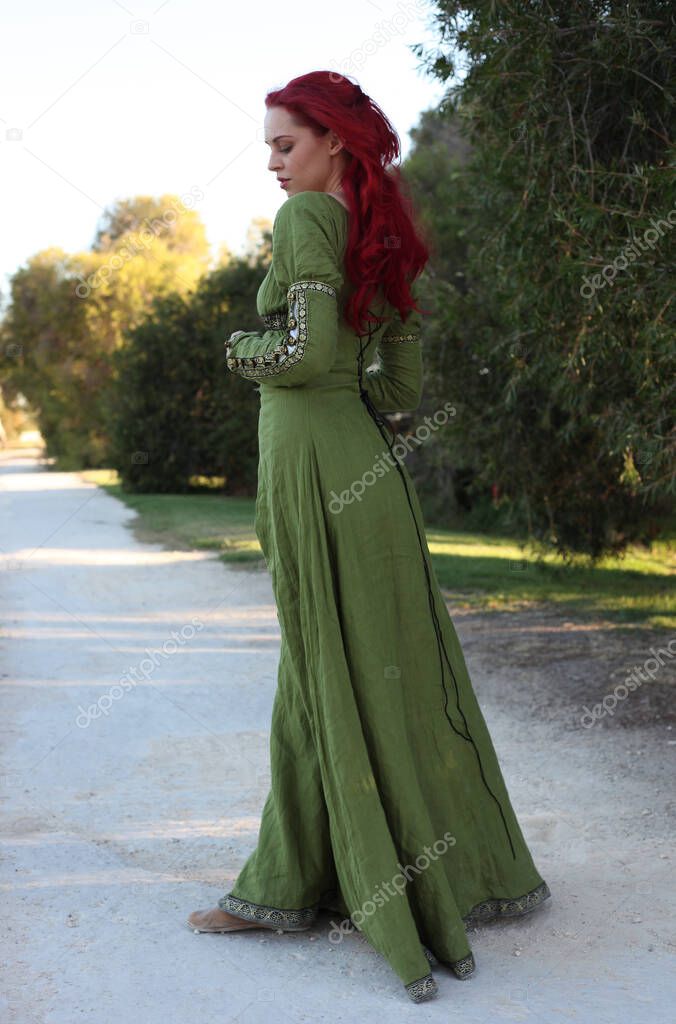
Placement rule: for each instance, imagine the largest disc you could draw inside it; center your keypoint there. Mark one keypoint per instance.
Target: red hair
(385, 247)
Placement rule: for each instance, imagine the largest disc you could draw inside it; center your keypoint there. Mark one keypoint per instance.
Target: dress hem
(295, 919)
(422, 988)
(287, 919)
(505, 906)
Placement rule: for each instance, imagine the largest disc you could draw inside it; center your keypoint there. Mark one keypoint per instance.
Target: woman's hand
(232, 337)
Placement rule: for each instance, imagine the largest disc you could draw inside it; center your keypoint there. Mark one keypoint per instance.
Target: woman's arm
(396, 384)
(306, 264)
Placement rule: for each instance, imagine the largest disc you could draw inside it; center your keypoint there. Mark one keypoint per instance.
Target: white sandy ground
(115, 828)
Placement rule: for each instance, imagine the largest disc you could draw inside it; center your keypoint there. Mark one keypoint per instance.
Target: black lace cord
(382, 424)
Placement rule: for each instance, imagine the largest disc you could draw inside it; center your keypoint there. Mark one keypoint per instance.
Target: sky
(102, 100)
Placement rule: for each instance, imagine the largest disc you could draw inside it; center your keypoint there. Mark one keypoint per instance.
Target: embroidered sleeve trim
(294, 325)
(275, 321)
(400, 337)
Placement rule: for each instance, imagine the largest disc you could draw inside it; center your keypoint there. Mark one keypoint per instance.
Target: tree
(175, 410)
(559, 329)
(68, 314)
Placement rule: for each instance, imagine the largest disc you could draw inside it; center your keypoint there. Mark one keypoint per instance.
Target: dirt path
(137, 688)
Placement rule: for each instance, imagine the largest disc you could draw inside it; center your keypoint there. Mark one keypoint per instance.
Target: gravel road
(137, 687)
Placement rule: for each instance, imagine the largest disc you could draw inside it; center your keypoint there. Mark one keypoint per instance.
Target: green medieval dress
(387, 803)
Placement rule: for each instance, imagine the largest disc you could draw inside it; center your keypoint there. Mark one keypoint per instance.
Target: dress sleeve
(395, 385)
(308, 267)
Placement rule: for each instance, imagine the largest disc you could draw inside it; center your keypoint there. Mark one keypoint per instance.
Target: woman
(387, 803)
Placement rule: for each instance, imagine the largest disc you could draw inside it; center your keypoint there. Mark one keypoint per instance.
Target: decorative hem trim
(423, 988)
(430, 956)
(488, 910)
(464, 967)
(504, 906)
(293, 920)
(288, 920)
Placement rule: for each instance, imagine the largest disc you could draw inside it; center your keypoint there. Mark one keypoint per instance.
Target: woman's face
(311, 163)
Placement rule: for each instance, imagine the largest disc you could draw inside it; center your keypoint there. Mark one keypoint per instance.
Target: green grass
(497, 572)
(477, 570)
(189, 521)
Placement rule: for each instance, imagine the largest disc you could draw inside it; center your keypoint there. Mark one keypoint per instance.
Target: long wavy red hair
(385, 249)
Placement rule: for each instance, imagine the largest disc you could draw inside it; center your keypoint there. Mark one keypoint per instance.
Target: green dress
(387, 803)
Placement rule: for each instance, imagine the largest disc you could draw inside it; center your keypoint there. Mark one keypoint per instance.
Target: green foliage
(563, 382)
(546, 182)
(44, 337)
(67, 314)
(175, 412)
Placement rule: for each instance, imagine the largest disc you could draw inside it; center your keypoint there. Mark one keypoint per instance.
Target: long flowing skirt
(387, 804)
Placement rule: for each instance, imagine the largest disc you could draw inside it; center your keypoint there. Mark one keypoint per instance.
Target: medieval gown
(387, 803)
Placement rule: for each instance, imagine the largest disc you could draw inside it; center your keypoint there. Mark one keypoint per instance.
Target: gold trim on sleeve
(400, 337)
(275, 321)
(291, 350)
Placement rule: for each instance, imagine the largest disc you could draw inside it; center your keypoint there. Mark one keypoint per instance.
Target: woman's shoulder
(313, 204)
